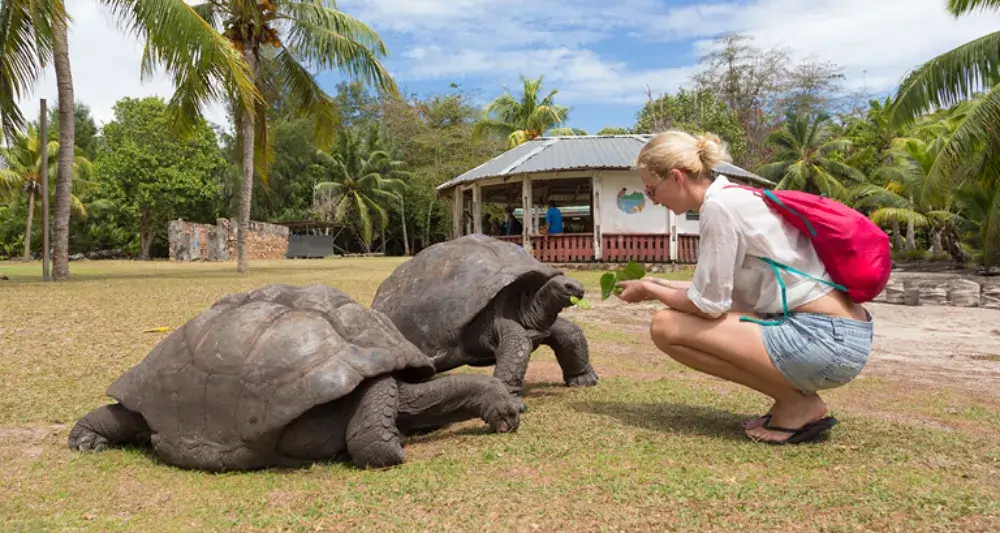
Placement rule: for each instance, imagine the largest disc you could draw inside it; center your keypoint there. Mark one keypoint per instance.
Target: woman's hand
(635, 290)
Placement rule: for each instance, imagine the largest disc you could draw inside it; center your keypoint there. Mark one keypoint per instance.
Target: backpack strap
(781, 283)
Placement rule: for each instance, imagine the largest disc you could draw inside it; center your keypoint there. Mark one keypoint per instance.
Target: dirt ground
(934, 345)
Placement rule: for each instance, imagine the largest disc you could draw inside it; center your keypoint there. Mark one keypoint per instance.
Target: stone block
(964, 293)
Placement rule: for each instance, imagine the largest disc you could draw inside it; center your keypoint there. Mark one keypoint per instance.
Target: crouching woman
(824, 339)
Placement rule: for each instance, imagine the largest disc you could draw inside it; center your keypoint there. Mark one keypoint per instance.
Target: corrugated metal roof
(597, 152)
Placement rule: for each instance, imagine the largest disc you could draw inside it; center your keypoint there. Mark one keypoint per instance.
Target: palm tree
(901, 200)
(33, 32)
(949, 78)
(281, 37)
(522, 120)
(806, 157)
(361, 179)
(23, 161)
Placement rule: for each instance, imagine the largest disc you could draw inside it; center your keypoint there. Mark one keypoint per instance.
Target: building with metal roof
(592, 180)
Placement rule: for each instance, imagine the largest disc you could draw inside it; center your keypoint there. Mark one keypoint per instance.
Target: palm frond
(204, 65)
(26, 28)
(979, 131)
(947, 79)
(888, 215)
(961, 7)
(331, 39)
(313, 100)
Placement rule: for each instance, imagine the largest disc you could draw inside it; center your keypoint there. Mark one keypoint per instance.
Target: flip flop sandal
(806, 433)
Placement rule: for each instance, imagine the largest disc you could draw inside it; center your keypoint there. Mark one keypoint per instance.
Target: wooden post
(527, 209)
(672, 228)
(477, 209)
(43, 143)
(595, 209)
(456, 213)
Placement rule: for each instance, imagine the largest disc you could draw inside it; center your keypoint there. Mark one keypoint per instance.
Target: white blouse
(736, 229)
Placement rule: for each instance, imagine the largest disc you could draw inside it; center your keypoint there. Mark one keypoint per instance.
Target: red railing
(653, 248)
(687, 249)
(564, 247)
(579, 247)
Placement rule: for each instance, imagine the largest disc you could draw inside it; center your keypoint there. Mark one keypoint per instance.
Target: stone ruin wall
(190, 241)
(959, 290)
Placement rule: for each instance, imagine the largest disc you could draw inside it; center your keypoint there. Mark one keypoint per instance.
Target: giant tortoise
(480, 301)
(285, 376)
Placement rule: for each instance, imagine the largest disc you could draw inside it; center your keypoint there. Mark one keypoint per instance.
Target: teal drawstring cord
(781, 283)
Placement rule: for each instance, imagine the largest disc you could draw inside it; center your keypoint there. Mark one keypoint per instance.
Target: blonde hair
(678, 149)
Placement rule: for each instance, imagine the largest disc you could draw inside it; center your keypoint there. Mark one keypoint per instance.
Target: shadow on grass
(671, 417)
(144, 272)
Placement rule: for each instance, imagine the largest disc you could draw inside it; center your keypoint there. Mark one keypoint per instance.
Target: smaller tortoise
(283, 377)
(479, 301)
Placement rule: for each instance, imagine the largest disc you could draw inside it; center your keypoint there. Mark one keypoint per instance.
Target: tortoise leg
(512, 354)
(372, 436)
(572, 353)
(455, 398)
(108, 425)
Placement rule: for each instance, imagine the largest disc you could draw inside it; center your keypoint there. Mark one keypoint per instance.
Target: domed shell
(434, 295)
(253, 362)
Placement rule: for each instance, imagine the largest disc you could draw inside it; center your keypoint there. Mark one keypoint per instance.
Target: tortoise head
(553, 297)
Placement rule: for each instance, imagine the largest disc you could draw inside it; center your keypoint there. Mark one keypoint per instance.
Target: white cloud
(875, 41)
(105, 64)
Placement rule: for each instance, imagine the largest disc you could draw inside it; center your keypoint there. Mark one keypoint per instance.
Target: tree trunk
(385, 248)
(897, 235)
(936, 246)
(67, 142)
(911, 236)
(27, 230)
(145, 236)
(246, 192)
(402, 215)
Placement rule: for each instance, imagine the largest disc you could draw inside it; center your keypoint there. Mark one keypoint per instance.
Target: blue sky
(600, 55)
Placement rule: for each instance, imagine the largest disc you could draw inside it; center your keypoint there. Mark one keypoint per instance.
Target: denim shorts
(817, 351)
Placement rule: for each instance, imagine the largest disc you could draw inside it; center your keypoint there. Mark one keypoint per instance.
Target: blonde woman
(825, 339)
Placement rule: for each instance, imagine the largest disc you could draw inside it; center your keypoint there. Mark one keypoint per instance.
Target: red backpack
(854, 249)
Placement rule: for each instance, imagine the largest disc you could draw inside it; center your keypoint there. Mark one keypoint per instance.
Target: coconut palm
(806, 157)
(283, 37)
(22, 175)
(952, 77)
(35, 32)
(361, 179)
(519, 121)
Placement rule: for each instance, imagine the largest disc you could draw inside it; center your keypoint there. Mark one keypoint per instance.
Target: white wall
(685, 226)
(649, 218)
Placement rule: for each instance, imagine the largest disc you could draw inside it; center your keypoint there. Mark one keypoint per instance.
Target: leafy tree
(359, 181)
(23, 175)
(154, 176)
(519, 121)
(947, 79)
(696, 111)
(809, 157)
(313, 33)
(34, 32)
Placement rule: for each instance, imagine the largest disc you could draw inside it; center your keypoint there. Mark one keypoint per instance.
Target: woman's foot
(758, 421)
(792, 415)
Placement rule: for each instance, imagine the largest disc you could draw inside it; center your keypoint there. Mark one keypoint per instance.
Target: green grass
(653, 447)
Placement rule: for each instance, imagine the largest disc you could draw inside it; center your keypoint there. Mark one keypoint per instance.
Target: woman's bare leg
(733, 350)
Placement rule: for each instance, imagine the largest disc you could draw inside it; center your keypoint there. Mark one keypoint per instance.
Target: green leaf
(608, 282)
(579, 302)
(633, 270)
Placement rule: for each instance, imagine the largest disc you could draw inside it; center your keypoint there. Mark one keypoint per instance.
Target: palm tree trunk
(67, 143)
(27, 230)
(897, 235)
(936, 246)
(911, 236)
(247, 126)
(402, 215)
